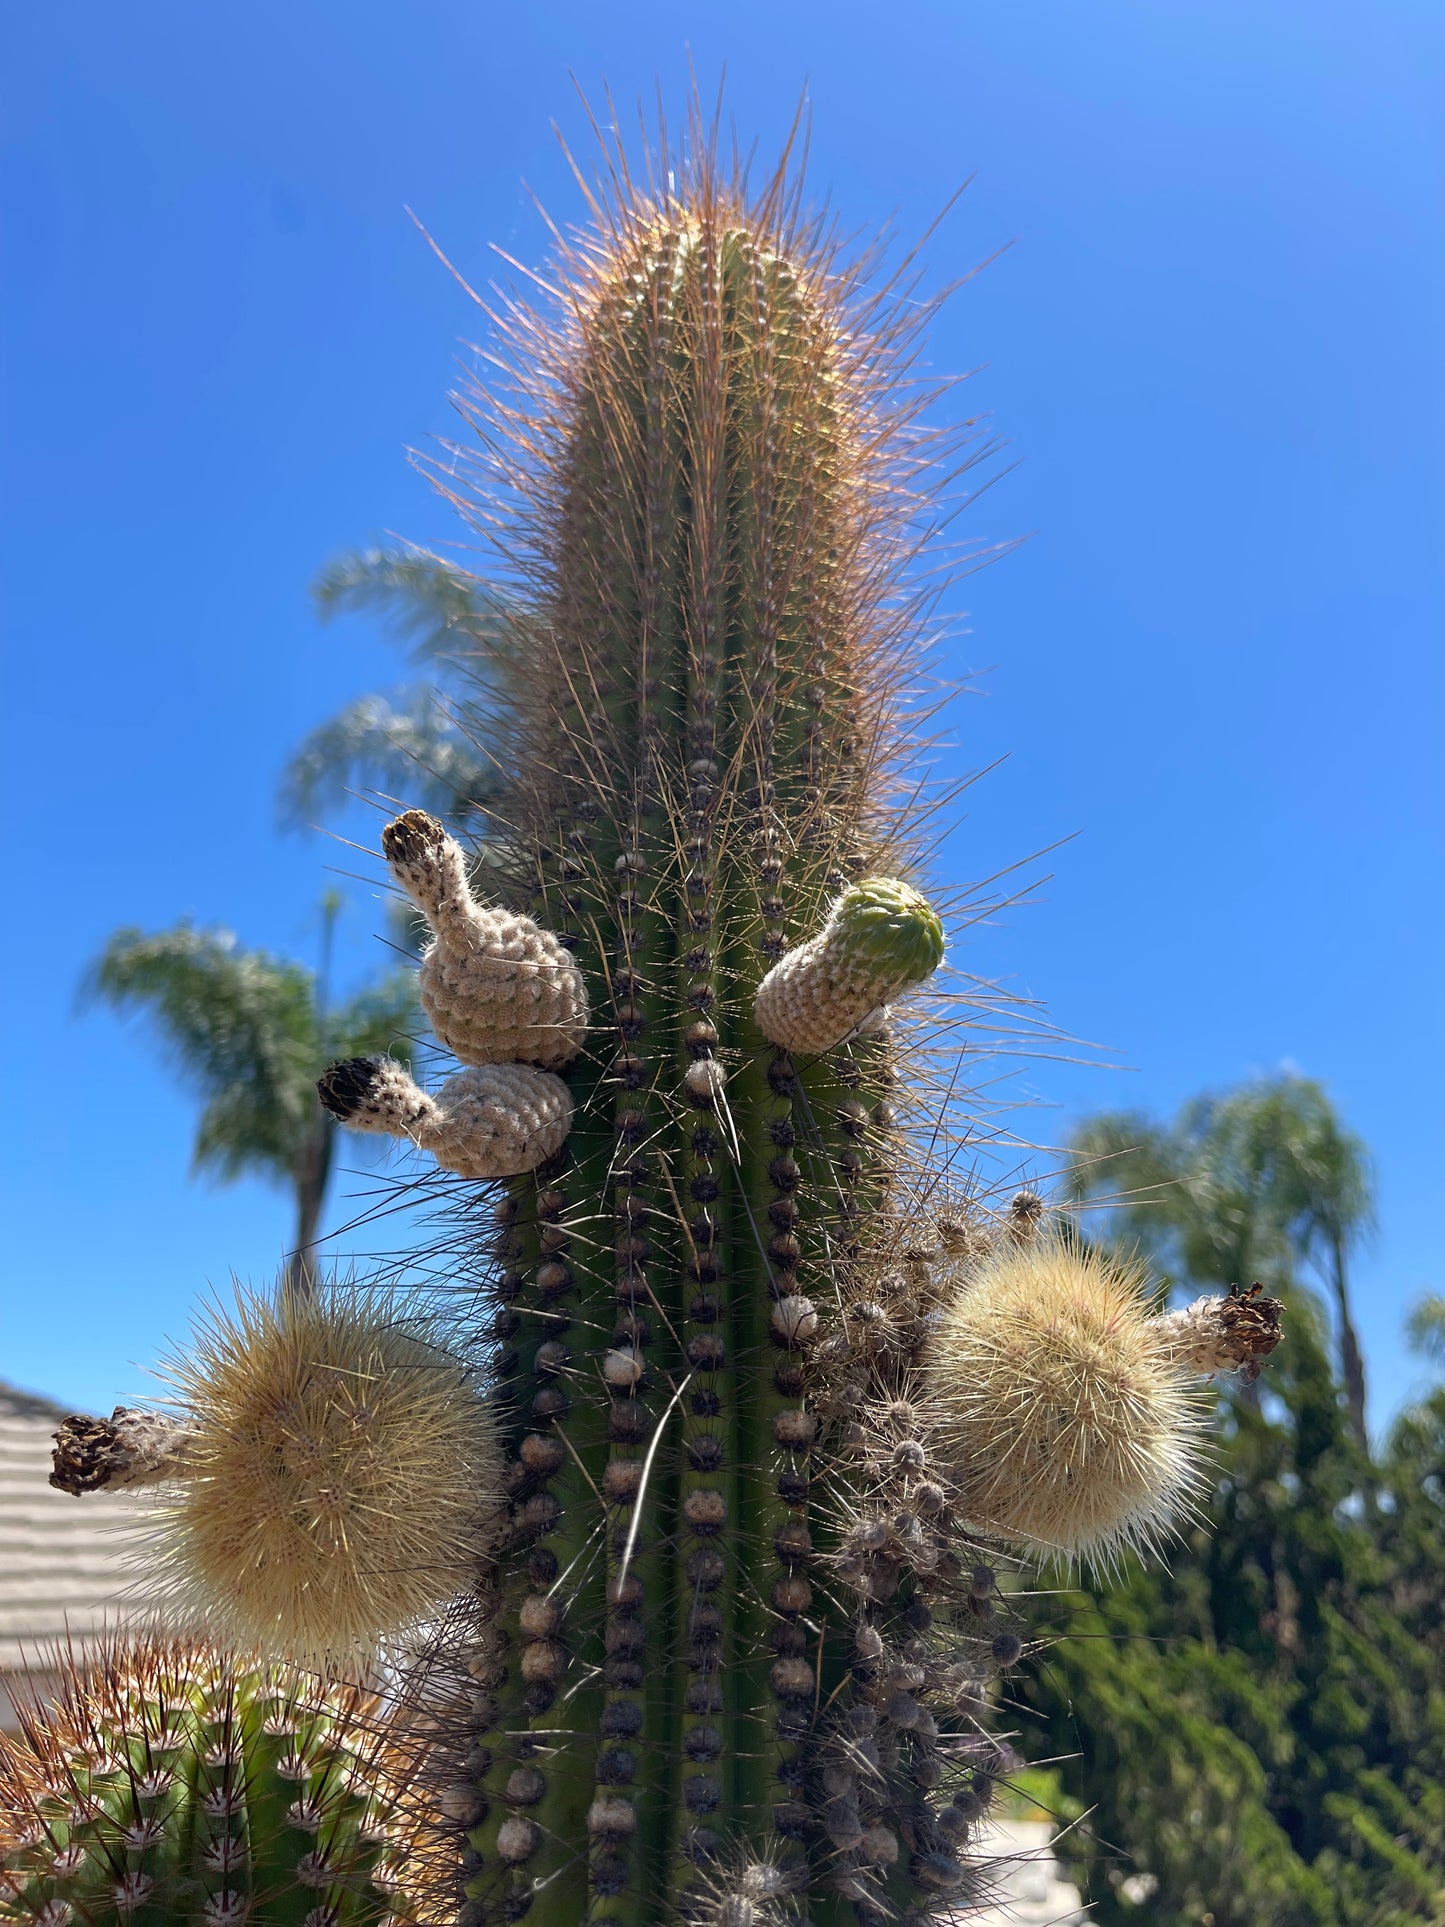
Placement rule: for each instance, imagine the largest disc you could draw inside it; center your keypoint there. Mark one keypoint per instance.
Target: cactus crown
(171, 1784)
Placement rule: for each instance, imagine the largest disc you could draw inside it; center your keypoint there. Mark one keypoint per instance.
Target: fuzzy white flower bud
(496, 988)
(492, 1121)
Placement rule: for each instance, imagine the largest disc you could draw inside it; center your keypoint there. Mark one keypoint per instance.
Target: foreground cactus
(169, 1784)
(730, 1658)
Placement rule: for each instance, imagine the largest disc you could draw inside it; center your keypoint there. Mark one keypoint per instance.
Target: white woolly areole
(705, 1079)
(496, 987)
(622, 1367)
(795, 1319)
(1068, 1423)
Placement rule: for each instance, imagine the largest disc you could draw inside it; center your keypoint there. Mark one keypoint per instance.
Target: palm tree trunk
(313, 1171)
(1352, 1361)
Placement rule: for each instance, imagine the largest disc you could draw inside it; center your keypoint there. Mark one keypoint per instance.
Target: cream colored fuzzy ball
(1068, 1423)
(496, 987)
(341, 1470)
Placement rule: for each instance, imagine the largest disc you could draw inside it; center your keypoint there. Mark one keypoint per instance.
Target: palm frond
(241, 1027)
(381, 1020)
(438, 610)
(1425, 1327)
(404, 747)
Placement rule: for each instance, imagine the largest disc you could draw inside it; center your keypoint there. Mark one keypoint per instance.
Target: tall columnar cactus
(736, 1653)
(683, 1720)
(730, 1655)
(168, 1784)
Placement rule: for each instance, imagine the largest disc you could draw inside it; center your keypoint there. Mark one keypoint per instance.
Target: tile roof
(64, 1563)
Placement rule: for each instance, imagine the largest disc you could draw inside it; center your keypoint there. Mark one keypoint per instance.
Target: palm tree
(1248, 1185)
(1203, 1216)
(419, 744)
(253, 1032)
(1321, 1185)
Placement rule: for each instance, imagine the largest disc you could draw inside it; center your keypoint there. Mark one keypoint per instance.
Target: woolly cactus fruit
(167, 1783)
(336, 1480)
(1071, 1423)
(130, 1448)
(494, 1121)
(1214, 1336)
(881, 938)
(496, 988)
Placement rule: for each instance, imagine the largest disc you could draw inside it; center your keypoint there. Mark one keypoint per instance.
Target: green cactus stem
(704, 721)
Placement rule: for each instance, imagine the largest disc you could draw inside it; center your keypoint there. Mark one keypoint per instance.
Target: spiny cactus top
(1067, 1417)
(169, 1784)
(328, 1479)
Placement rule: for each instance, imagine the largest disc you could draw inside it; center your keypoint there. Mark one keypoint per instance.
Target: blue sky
(1215, 664)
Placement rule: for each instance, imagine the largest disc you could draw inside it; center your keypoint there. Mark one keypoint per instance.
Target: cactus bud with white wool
(496, 987)
(881, 938)
(488, 1121)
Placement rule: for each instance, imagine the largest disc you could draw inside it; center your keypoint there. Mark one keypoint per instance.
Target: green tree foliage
(1258, 1183)
(1427, 1327)
(251, 1032)
(1413, 1531)
(1257, 1735)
